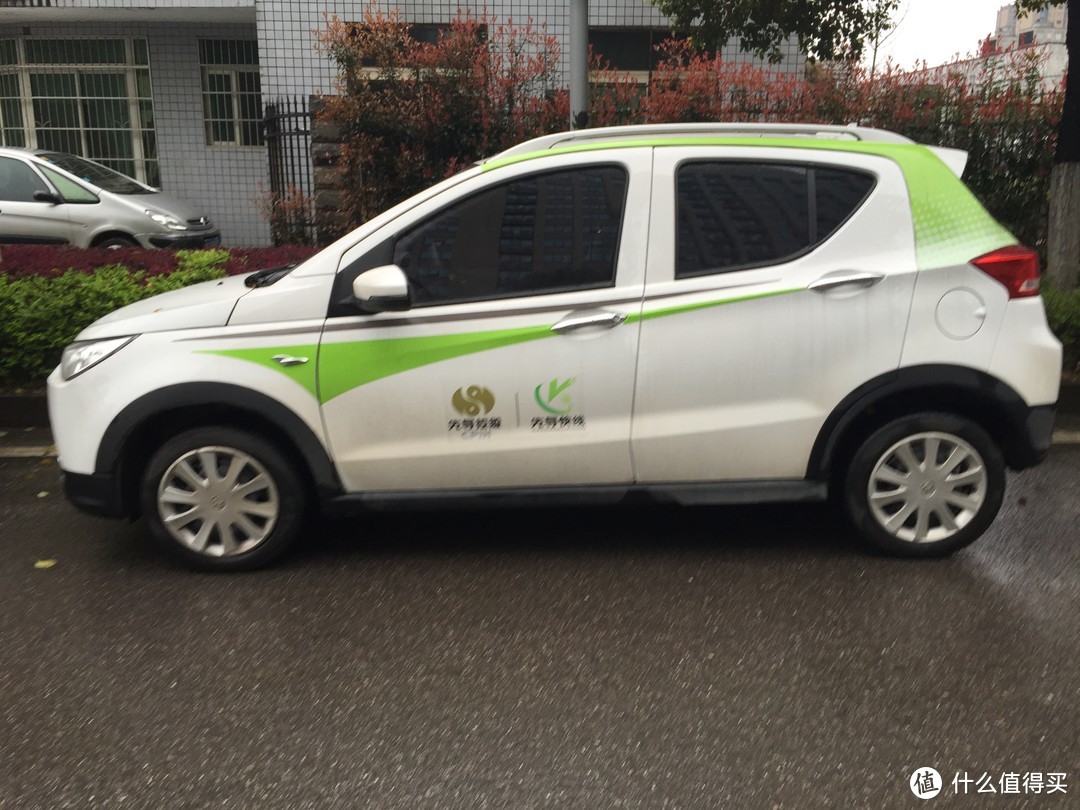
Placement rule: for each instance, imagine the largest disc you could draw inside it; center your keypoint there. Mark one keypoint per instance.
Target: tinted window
(839, 193)
(736, 215)
(18, 182)
(91, 172)
(537, 234)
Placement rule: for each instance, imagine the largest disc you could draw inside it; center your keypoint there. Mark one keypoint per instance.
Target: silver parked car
(55, 198)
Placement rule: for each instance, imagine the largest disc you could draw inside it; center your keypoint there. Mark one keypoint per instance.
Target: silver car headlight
(166, 220)
(78, 357)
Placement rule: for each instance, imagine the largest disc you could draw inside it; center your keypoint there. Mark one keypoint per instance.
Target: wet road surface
(642, 657)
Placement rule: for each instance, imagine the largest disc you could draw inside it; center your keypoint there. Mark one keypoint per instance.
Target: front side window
(544, 233)
(18, 182)
(71, 191)
(232, 92)
(739, 215)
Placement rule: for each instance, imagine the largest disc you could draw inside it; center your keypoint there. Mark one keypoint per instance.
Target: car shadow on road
(643, 529)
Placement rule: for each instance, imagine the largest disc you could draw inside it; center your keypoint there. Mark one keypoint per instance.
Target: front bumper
(97, 494)
(201, 239)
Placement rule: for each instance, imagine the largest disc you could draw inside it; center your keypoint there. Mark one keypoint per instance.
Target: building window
(232, 94)
(89, 97)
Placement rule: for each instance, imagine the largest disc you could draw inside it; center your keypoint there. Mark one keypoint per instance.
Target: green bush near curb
(1063, 313)
(40, 315)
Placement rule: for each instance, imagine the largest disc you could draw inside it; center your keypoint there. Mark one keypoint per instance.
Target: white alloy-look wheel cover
(927, 487)
(218, 501)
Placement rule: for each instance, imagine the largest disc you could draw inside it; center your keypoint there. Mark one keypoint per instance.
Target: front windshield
(100, 176)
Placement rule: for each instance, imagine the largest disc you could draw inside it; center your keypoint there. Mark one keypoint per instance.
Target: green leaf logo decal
(556, 399)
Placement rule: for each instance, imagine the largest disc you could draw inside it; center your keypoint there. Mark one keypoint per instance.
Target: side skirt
(684, 494)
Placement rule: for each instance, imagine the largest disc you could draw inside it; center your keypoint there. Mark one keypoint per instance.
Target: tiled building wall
(291, 64)
(221, 180)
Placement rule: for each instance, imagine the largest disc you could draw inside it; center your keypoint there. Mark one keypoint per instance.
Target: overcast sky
(935, 30)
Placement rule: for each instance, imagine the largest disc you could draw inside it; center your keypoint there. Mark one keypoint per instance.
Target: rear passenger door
(778, 281)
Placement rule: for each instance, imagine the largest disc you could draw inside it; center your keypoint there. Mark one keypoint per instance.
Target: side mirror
(46, 196)
(382, 289)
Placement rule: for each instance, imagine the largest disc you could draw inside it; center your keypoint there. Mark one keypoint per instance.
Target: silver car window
(18, 182)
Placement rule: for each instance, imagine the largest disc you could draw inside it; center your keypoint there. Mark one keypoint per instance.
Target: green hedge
(40, 315)
(1063, 312)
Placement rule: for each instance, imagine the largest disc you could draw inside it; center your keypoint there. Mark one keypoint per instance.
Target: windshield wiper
(271, 275)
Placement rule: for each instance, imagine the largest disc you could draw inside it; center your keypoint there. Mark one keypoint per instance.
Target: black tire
(117, 242)
(248, 523)
(933, 490)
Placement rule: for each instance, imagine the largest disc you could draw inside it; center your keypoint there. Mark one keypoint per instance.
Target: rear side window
(542, 233)
(737, 215)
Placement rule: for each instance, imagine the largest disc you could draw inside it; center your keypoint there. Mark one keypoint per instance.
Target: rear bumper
(1038, 429)
(96, 494)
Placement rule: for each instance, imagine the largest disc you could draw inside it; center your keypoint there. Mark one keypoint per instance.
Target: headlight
(166, 221)
(78, 357)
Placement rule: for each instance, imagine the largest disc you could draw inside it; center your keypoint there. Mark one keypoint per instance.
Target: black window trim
(811, 212)
(341, 302)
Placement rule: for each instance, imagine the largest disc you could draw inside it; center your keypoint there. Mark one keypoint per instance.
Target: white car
(706, 314)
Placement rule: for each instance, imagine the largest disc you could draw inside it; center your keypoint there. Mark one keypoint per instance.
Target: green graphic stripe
(662, 313)
(304, 374)
(344, 366)
(951, 227)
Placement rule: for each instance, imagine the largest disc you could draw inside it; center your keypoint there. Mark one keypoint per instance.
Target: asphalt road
(601, 658)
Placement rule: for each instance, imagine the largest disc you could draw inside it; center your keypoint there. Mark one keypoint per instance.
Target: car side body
(706, 314)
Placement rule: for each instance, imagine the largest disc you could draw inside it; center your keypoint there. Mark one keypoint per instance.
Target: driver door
(514, 366)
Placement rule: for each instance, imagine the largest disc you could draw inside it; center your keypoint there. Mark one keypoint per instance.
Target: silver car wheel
(927, 487)
(218, 501)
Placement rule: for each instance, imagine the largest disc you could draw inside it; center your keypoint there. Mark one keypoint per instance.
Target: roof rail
(728, 130)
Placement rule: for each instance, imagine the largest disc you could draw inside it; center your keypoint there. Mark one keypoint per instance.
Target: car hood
(165, 203)
(199, 306)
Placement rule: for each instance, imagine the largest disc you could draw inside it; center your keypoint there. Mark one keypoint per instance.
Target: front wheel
(222, 499)
(925, 485)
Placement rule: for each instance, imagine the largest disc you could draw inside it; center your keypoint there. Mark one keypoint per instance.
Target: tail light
(1016, 266)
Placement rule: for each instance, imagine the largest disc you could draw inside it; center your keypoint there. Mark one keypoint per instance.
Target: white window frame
(236, 120)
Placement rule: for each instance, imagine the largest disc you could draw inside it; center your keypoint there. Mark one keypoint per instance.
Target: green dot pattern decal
(951, 226)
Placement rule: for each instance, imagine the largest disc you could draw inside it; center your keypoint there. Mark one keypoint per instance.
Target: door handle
(289, 360)
(581, 320)
(843, 278)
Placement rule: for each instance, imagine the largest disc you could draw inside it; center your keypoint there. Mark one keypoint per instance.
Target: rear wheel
(925, 485)
(222, 499)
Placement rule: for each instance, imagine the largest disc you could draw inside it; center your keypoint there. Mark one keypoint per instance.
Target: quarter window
(538, 234)
(736, 215)
(71, 191)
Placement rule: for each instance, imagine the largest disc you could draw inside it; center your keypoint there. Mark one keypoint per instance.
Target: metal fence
(287, 132)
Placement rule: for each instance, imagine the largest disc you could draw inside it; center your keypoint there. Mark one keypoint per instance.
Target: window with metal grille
(232, 94)
(89, 97)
